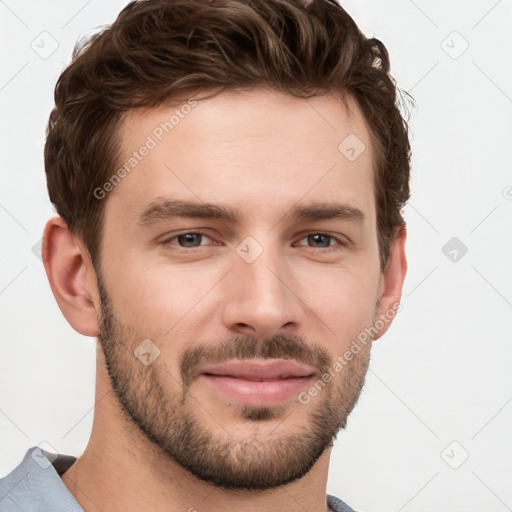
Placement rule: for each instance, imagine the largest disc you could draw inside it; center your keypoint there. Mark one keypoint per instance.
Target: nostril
(244, 328)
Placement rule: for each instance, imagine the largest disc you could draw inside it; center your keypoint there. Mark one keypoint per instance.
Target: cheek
(161, 300)
(344, 301)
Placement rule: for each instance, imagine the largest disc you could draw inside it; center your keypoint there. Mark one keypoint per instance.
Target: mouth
(258, 382)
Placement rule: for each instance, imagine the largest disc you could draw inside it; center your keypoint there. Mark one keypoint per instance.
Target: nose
(260, 298)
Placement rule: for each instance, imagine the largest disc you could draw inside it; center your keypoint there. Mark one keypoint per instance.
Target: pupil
(190, 239)
(322, 240)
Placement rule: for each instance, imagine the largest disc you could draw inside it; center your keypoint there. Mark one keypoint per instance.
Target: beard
(173, 420)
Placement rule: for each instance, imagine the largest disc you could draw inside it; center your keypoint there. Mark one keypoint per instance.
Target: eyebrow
(164, 209)
(328, 211)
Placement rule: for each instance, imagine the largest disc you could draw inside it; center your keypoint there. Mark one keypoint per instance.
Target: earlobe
(71, 276)
(391, 283)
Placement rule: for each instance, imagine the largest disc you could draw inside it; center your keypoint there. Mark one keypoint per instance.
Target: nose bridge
(259, 298)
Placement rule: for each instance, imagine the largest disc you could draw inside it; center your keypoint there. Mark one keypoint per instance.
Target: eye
(187, 240)
(322, 240)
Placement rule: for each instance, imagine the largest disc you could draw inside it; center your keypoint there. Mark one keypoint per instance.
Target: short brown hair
(160, 49)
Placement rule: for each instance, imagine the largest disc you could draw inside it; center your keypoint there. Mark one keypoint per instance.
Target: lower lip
(258, 393)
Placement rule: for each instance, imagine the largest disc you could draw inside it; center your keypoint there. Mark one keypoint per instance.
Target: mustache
(281, 346)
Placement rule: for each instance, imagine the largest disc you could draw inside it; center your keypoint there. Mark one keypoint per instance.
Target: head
(193, 149)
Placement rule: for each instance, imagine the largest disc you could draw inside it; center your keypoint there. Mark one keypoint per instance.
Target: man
(229, 178)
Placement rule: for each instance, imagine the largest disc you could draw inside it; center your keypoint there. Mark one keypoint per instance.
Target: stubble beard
(175, 422)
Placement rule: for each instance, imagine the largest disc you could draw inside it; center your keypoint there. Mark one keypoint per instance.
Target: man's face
(291, 275)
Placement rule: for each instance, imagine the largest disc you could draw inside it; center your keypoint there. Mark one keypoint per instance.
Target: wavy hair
(162, 49)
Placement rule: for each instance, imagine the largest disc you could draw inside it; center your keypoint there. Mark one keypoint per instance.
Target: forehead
(254, 151)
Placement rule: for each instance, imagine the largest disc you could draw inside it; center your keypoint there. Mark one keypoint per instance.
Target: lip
(257, 383)
(262, 369)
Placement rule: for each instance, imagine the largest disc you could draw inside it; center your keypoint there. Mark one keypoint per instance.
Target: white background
(441, 375)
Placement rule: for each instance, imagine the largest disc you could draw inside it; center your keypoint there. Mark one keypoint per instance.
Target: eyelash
(330, 248)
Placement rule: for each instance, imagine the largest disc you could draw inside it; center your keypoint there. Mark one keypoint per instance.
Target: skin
(261, 154)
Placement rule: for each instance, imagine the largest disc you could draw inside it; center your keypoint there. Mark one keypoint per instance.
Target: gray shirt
(35, 486)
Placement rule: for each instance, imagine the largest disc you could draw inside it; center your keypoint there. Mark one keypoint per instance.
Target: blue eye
(196, 239)
(322, 241)
(319, 240)
(187, 240)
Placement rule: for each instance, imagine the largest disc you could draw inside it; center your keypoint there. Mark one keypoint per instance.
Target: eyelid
(174, 236)
(341, 240)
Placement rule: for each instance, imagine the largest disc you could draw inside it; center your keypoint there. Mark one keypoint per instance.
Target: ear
(72, 277)
(391, 282)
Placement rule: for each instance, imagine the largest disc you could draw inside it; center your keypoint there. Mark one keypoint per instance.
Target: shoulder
(34, 485)
(337, 505)
(16, 488)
